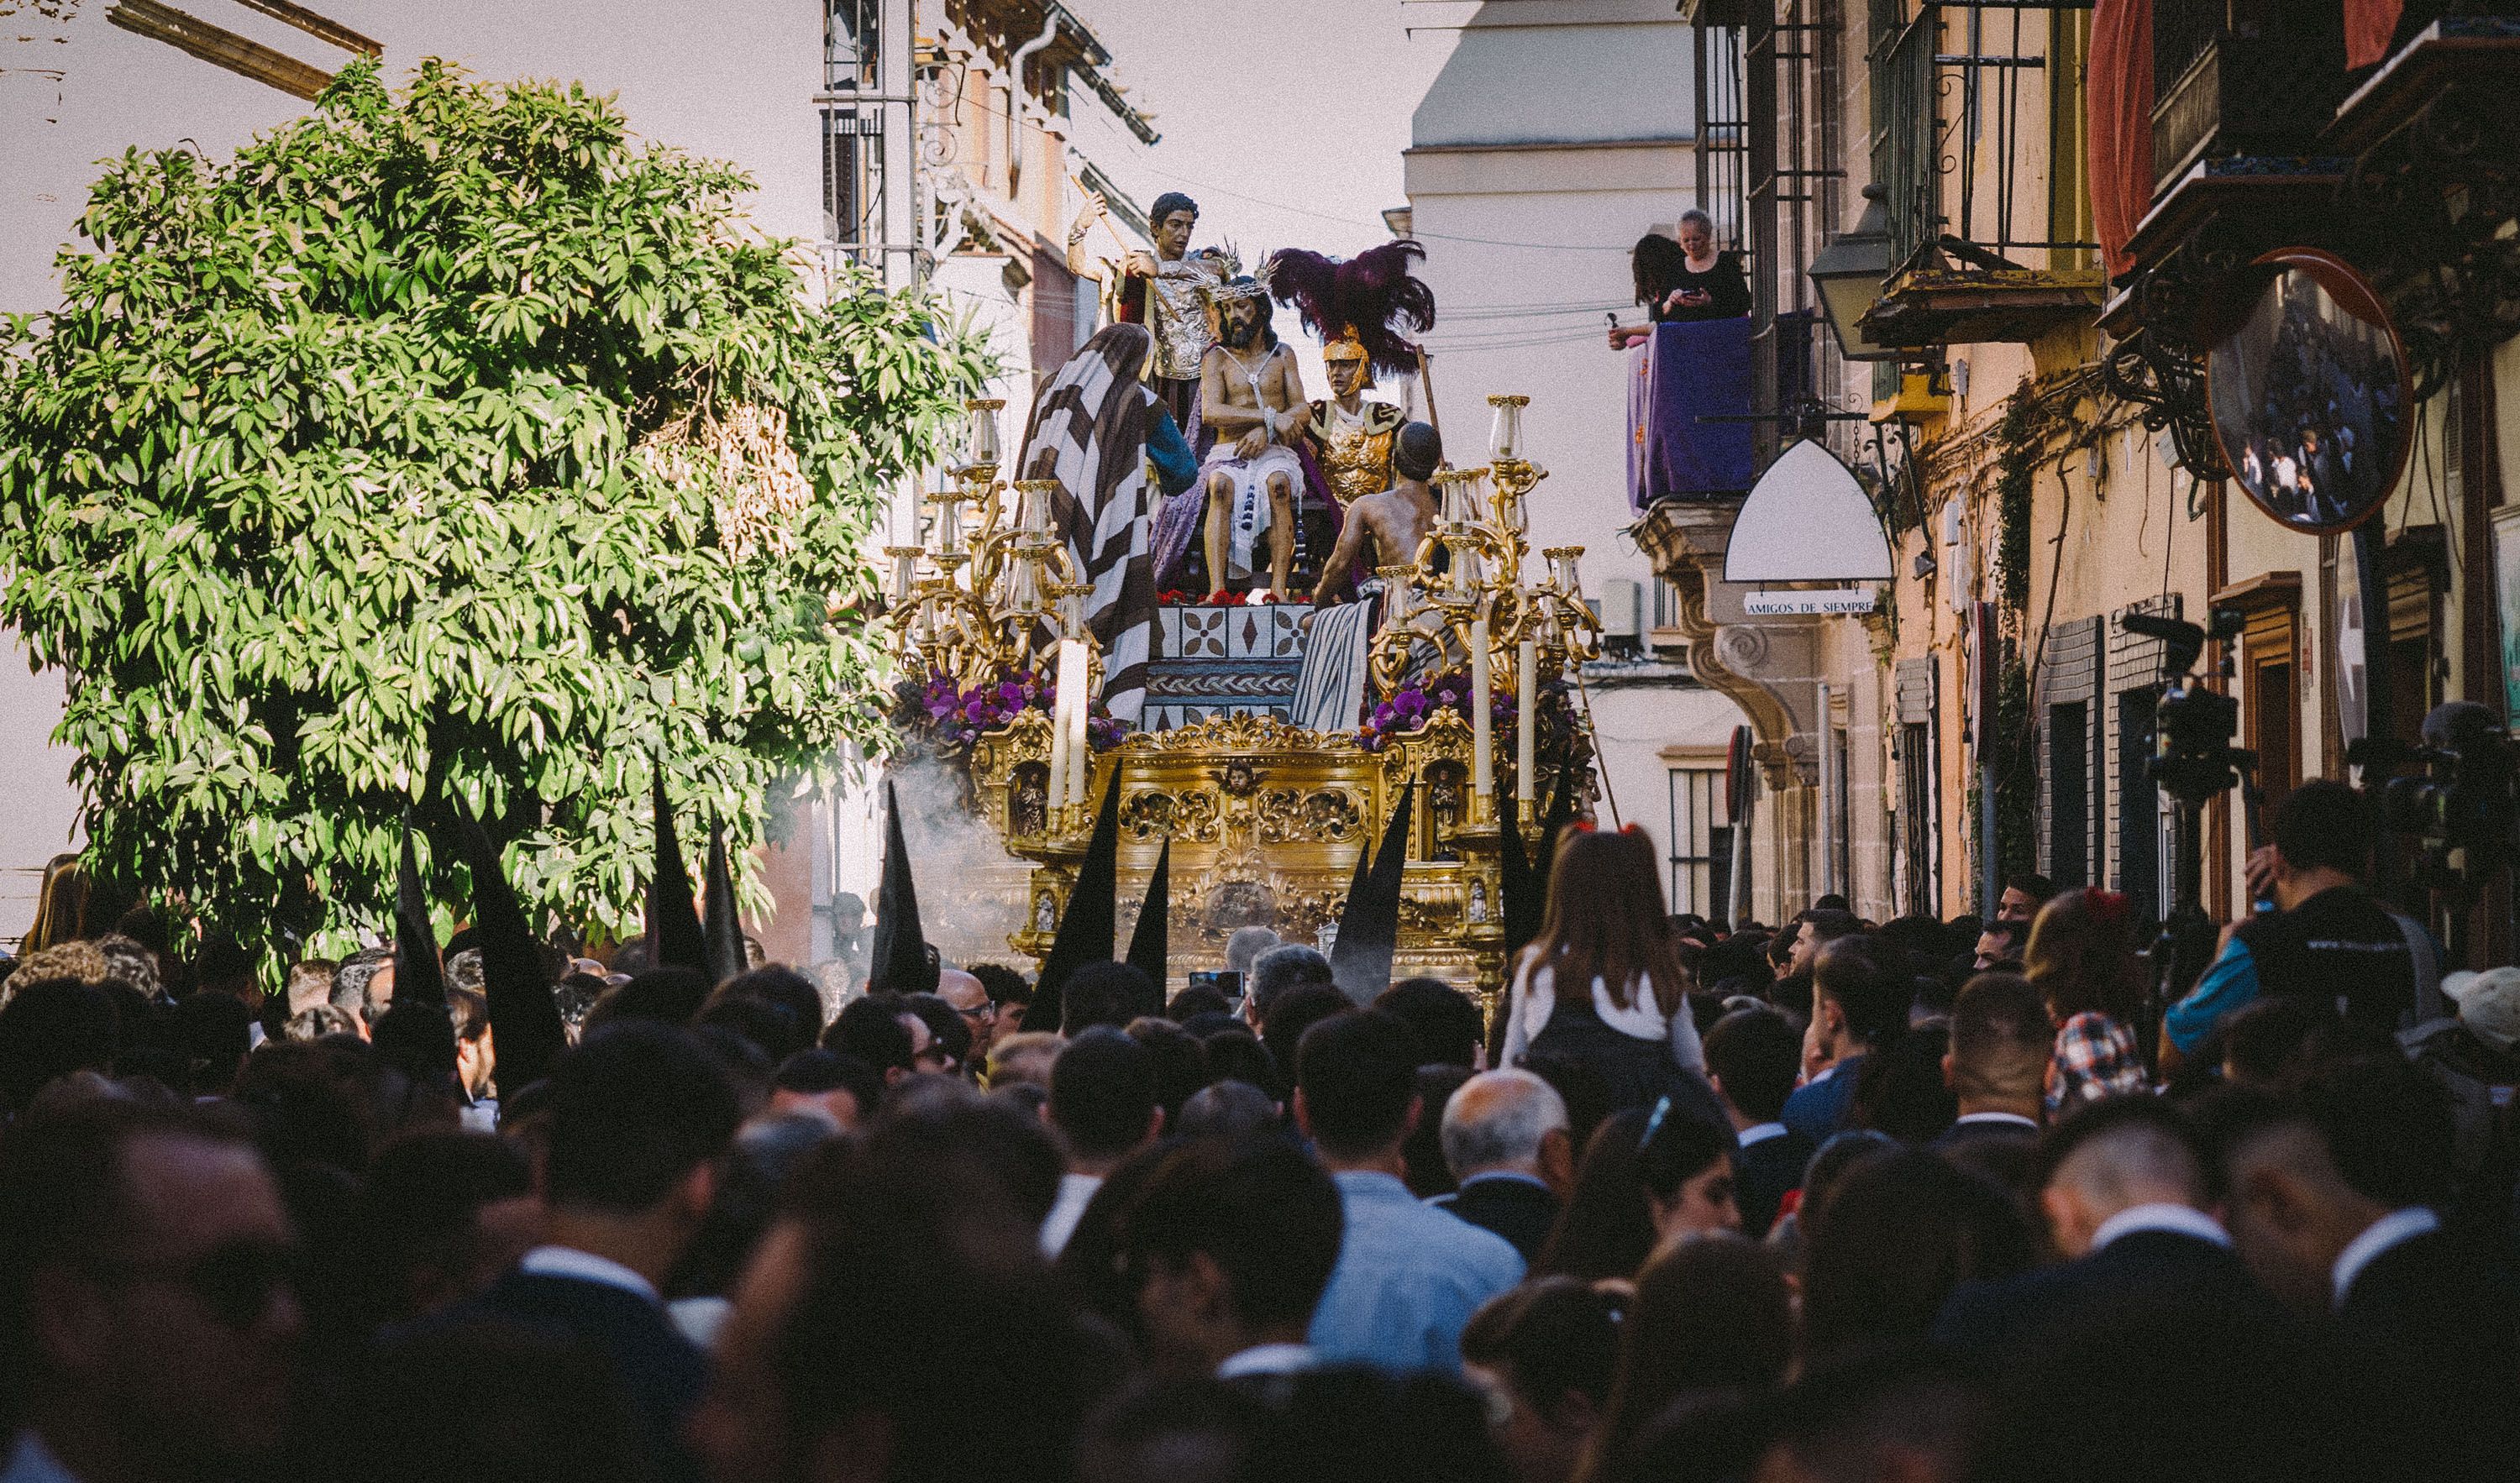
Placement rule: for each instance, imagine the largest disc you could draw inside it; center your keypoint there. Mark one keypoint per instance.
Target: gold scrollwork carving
(1156, 814)
(1289, 815)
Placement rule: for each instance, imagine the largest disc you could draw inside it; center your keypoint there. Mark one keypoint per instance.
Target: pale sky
(1284, 118)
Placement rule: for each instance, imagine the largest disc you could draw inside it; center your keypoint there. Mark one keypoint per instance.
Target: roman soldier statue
(1353, 305)
(1166, 290)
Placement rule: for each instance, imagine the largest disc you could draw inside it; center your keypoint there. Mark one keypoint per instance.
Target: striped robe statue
(1089, 431)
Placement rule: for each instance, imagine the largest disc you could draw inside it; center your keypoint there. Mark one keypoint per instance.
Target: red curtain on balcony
(2118, 90)
(2368, 25)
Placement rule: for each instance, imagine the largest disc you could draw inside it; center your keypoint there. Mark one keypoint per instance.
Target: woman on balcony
(1683, 281)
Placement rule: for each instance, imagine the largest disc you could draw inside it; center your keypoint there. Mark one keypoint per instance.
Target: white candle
(1482, 725)
(1073, 679)
(1059, 740)
(1526, 740)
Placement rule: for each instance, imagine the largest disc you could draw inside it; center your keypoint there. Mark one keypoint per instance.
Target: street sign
(1833, 601)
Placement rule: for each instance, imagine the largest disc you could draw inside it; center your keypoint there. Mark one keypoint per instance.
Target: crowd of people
(1835, 1200)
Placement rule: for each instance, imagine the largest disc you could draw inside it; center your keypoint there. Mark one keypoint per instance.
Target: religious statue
(1166, 291)
(1352, 437)
(1255, 403)
(1353, 305)
(1386, 527)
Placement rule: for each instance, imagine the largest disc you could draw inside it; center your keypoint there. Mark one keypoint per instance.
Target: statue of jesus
(1251, 394)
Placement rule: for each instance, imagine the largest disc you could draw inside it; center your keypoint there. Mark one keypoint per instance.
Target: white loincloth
(1250, 513)
(1329, 687)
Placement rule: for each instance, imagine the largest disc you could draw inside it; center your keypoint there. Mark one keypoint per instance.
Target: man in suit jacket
(1505, 1135)
(1997, 1068)
(640, 1115)
(2150, 1315)
(1752, 1058)
(2332, 1200)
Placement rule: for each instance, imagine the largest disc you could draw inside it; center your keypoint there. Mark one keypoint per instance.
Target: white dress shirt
(1759, 1133)
(2180, 1220)
(2388, 1231)
(1268, 1359)
(1075, 1193)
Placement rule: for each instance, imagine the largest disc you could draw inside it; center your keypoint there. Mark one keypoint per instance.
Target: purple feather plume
(1372, 295)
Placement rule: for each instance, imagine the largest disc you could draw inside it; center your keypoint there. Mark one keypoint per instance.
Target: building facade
(2018, 214)
(1528, 178)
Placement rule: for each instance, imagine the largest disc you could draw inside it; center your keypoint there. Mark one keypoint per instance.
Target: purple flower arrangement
(951, 718)
(1561, 732)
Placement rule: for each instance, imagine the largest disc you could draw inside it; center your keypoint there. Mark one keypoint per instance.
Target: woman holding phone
(1683, 280)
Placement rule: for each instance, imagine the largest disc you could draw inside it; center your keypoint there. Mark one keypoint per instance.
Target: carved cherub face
(1237, 777)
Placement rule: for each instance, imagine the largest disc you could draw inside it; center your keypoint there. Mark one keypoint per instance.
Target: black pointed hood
(722, 934)
(523, 1016)
(1520, 906)
(674, 937)
(419, 975)
(1089, 930)
(1151, 943)
(1369, 928)
(898, 962)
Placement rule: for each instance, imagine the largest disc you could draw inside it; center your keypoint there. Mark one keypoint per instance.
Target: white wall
(1553, 137)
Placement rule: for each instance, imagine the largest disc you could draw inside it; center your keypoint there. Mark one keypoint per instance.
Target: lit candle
(1482, 724)
(1526, 740)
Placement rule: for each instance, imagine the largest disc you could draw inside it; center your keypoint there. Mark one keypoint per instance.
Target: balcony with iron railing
(1976, 152)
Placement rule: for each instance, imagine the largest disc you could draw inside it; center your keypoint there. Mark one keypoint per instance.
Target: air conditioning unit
(1623, 624)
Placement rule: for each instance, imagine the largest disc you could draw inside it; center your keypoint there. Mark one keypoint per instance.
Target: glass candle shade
(981, 437)
(1505, 429)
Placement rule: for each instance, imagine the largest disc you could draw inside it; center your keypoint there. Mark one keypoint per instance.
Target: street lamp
(1849, 273)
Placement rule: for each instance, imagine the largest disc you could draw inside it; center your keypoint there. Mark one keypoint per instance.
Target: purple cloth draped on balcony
(1685, 373)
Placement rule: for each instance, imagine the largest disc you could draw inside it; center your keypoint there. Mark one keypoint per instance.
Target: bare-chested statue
(1253, 399)
(1385, 528)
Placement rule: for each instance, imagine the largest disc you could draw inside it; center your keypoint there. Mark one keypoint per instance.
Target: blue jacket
(1408, 1279)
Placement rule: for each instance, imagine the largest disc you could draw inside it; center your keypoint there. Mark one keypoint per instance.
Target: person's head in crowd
(1229, 1110)
(463, 966)
(1197, 1001)
(1814, 930)
(1103, 1098)
(1509, 1122)
(948, 1039)
(213, 1033)
(575, 997)
(2109, 1157)
(1280, 971)
(127, 960)
(1752, 1060)
(309, 1025)
(897, 1327)
(2082, 957)
(969, 999)
(1647, 1177)
(1024, 1057)
(1830, 902)
(2000, 1042)
(1714, 1314)
(1859, 1001)
(51, 1028)
(791, 994)
(1902, 1412)
(1549, 1350)
(1356, 1088)
(2323, 834)
(2025, 892)
(1999, 945)
(440, 1216)
(666, 994)
(870, 1028)
(1821, 1175)
(477, 1057)
(2264, 1040)
(1421, 1153)
(1245, 947)
(639, 1118)
(1415, 1427)
(1181, 1064)
(224, 966)
(472, 1397)
(841, 1089)
(418, 1041)
(356, 991)
(1231, 1245)
(1006, 991)
(1294, 1016)
(1236, 1055)
(2488, 1006)
(310, 983)
(2304, 1176)
(311, 1105)
(1899, 1233)
(1606, 919)
(1447, 1023)
(148, 1319)
(1107, 994)
(954, 1120)
(1189, 1430)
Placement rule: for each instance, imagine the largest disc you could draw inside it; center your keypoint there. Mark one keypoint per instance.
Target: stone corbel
(1687, 543)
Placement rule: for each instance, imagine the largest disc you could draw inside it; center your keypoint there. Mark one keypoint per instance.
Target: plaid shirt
(2095, 1057)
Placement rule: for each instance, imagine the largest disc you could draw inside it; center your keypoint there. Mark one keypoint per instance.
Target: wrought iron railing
(1905, 132)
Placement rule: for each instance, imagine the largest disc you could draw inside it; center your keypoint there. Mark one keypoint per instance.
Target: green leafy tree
(448, 442)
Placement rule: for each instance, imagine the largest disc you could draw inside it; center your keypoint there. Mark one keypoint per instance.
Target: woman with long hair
(1648, 1177)
(1684, 278)
(1604, 983)
(1712, 1319)
(2081, 960)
